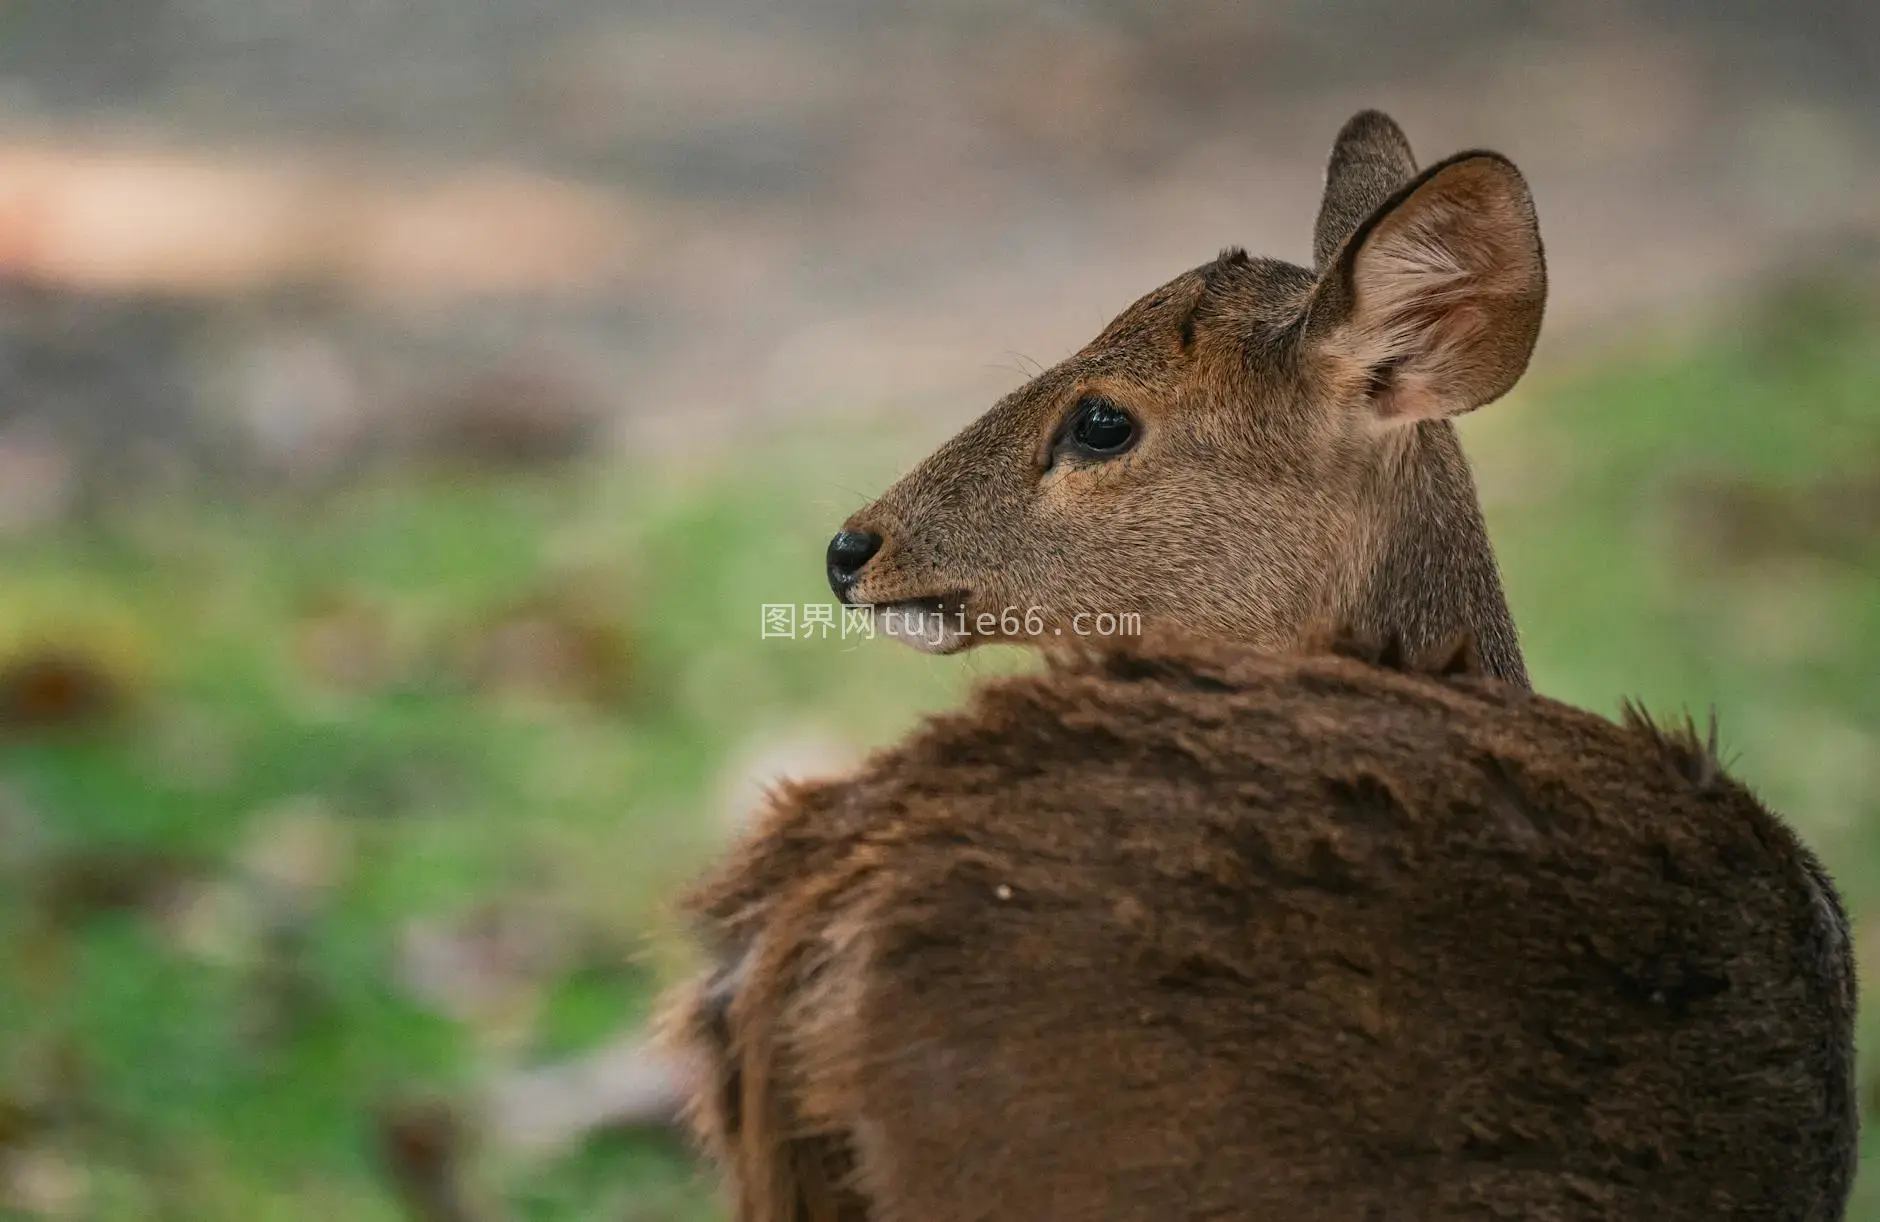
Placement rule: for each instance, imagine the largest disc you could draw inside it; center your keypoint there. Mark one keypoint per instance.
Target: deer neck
(1432, 573)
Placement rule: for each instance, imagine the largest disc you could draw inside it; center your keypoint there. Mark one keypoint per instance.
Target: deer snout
(849, 553)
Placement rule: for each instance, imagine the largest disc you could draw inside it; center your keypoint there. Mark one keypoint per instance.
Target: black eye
(1100, 427)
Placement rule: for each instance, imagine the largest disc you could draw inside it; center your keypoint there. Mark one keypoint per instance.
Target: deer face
(1224, 455)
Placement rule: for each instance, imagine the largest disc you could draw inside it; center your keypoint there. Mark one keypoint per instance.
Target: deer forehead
(1203, 354)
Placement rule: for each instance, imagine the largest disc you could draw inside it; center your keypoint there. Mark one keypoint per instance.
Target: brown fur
(1187, 931)
(1296, 464)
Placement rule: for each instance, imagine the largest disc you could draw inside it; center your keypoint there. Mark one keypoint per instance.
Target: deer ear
(1433, 304)
(1370, 160)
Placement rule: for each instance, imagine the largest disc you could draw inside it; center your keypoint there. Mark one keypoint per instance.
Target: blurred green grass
(197, 1023)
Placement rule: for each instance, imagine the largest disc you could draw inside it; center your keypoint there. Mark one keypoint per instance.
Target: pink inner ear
(1404, 397)
(1385, 388)
(1429, 285)
(1426, 359)
(1396, 405)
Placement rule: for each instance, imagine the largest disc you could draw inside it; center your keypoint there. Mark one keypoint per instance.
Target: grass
(364, 724)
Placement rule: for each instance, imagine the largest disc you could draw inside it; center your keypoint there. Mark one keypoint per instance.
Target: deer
(1302, 904)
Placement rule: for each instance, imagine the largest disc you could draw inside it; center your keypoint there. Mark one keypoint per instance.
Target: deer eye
(1099, 427)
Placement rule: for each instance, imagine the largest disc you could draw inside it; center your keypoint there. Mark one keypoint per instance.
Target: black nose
(848, 552)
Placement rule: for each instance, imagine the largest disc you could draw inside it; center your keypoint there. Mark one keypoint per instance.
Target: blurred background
(406, 407)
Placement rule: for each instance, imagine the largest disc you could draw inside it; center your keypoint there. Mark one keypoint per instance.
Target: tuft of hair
(1688, 756)
(1456, 657)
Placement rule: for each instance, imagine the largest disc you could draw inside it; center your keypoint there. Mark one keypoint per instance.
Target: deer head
(1252, 450)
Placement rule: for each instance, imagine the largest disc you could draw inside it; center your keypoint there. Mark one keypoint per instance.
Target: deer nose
(849, 551)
